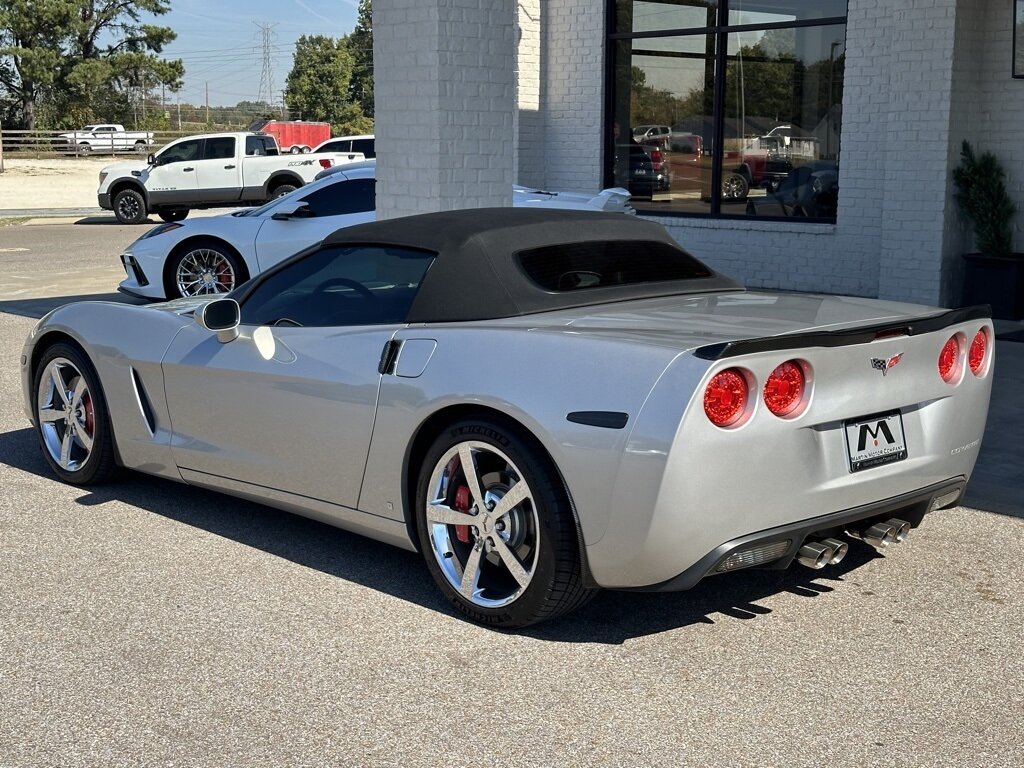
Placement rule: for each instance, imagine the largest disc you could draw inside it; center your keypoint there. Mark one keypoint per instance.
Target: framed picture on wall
(1018, 38)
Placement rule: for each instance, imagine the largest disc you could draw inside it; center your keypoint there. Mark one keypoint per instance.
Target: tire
(130, 206)
(71, 417)
(295, 149)
(203, 268)
(84, 149)
(509, 570)
(141, 147)
(735, 187)
(176, 214)
(281, 190)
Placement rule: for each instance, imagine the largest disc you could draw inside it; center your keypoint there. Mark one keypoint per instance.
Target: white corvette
(214, 254)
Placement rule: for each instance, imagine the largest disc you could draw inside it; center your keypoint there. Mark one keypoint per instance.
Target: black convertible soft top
(477, 275)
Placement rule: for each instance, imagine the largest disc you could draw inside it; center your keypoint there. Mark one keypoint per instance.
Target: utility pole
(266, 94)
(207, 102)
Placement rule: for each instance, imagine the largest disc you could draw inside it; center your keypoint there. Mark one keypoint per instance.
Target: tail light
(657, 159)
(325, 163)
(978, 352)
(784, 390)
(725, 398)
(949, 358)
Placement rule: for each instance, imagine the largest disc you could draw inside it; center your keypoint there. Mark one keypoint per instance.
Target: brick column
(444, 104)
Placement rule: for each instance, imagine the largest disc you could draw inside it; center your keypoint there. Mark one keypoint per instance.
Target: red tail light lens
(326, 163)
(978, 351)
(725, 398)
(948, 359)
(784, 389)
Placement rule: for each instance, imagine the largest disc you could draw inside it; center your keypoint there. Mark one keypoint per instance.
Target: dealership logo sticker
(884, 365)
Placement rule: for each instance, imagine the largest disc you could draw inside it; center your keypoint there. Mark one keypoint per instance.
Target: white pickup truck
(103, 137)
(211, 171)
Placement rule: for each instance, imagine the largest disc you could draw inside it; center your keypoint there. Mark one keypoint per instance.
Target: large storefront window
(728, 108)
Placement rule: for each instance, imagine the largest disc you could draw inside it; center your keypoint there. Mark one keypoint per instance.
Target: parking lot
(149, 623)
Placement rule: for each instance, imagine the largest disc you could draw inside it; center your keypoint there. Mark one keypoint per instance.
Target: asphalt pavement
(147, 623)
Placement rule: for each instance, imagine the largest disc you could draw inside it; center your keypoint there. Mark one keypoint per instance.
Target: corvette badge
(882, 365)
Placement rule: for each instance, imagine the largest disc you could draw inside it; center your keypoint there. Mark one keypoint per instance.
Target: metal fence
(37, 144)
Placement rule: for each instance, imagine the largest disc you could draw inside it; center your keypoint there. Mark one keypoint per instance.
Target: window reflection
(779, 118)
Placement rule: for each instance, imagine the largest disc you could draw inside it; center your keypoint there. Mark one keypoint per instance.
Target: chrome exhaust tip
(814, 554)
(901, 529)
(839, 550)
(879, 535)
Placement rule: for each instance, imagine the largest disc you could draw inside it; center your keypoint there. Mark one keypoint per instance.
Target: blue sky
(220, 44)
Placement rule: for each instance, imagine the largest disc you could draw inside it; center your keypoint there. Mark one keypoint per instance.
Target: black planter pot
(995, 280)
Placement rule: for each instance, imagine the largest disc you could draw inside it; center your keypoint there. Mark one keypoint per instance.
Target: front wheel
(71, 417)
(130, 206)
(735, 187)
(203, 269)
(496, 527)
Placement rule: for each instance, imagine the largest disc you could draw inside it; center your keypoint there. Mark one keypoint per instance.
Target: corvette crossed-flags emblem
(883, 365)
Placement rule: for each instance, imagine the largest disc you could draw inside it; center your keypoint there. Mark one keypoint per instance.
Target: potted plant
(994, 275)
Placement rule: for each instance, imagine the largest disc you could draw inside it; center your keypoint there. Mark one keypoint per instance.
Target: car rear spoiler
(614, 200)
(846, 336)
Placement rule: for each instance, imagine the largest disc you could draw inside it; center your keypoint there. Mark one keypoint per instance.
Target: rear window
(601, 264)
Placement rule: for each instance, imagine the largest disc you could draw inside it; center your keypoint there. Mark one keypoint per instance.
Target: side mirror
(296, 209)
(222, 316)
(151, 159)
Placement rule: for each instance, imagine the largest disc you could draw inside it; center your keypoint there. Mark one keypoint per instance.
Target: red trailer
(294, 136)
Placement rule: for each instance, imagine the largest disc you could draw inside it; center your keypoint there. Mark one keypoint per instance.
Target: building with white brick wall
(472, 95)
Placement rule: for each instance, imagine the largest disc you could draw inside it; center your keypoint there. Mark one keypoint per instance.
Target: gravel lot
(152, 624)
(53, 182)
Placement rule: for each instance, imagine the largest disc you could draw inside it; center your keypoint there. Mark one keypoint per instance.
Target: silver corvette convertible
(543, 403)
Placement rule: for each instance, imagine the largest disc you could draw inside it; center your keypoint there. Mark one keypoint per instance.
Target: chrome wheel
(67, 419)
(204, 271)
(734, 187)
(482, 524)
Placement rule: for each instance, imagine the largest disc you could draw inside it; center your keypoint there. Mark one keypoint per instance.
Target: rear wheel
(496, 528)
(176, 215)
(281, 190)
(71, 417)
(295, 149)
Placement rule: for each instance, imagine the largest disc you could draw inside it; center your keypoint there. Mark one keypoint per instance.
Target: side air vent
(145, 406)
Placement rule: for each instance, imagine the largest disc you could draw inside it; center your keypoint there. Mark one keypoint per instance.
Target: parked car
(103, 137)
(811, 190)
(212, 171)
(294, 136)
(215, 254)
(363, 144)
(543, 403)
(656, 135)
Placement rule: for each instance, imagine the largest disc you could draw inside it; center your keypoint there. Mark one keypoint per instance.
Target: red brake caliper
(90, 417)
(462, 505)
(223, 277)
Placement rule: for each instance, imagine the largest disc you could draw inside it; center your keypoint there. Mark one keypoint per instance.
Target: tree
(81, 57)
(360, 46)
(318, 85)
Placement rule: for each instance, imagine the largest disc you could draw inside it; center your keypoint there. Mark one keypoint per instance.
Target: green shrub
(983, 199)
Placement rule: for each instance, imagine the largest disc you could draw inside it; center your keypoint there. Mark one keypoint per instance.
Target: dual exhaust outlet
(818, 554)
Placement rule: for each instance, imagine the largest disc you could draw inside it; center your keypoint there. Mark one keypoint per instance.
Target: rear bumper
(911, 507)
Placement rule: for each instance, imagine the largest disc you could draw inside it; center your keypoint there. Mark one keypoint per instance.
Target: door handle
(187, 169)
(228, 167)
